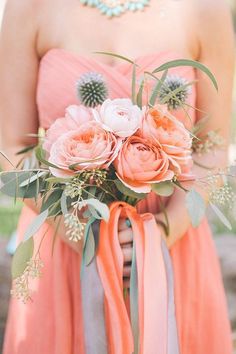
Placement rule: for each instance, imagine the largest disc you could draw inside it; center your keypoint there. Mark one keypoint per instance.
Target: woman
(43, 44)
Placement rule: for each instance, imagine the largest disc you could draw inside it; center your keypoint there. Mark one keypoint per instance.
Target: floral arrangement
(105, 150)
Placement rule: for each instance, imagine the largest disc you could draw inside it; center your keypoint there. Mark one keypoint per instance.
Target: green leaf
(196, 207)
(89, 247)
(221, 216)
(100, 207)
(11, 184)
(26, 149)
(116, 56)
(140, 95)
(36, 224)
(187, 62)
(51, 201)
(41, 156)
(157, 88)
(134, 84)
(56, 180)
(22, 256)
(64, 208)
(164, 189)
(32, 178)
(127, 191)
(5, 156)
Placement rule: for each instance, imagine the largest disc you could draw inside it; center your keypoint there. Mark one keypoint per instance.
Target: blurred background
(225, 241)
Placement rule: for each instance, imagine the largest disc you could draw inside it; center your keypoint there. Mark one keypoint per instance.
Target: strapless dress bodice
(60, 69)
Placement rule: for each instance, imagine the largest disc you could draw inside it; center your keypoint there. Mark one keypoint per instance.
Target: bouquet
(106, 150)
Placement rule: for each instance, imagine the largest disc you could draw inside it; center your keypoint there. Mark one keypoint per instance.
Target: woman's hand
(126, 242)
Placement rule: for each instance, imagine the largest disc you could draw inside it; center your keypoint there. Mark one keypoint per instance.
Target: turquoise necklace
(116, 7)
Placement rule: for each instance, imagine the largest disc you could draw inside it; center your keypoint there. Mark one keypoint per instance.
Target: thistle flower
(92, 89)
(172, 83)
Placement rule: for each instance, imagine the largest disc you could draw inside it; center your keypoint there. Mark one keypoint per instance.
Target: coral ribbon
(151, 278)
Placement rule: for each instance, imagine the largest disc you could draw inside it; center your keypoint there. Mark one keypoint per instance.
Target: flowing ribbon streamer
(152, 327)
(93, 302)
(173, 342)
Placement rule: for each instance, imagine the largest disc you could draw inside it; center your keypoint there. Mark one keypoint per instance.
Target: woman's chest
(163, 25)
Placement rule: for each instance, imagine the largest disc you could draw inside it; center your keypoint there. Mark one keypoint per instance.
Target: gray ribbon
(93, 307)
(173, 341)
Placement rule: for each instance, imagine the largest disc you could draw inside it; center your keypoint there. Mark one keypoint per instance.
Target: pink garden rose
(141, 163)
(87, 147)
(119, 116)
(74, 117)
(163, 128)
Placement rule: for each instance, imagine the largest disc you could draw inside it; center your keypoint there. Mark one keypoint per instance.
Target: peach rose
(141, 163)
(163, 128)
(119, 116)
(87, 147)
(74, 117)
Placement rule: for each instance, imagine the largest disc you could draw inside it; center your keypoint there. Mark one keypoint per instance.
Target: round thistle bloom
(172, 83)
(91, 89)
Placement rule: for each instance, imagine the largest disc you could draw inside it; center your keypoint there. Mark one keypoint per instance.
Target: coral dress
(52, 323)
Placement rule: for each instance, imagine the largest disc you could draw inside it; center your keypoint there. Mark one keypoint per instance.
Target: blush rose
(141, 163)
(88, 147)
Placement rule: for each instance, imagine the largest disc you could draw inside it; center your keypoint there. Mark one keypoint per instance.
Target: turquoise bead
(116, 10)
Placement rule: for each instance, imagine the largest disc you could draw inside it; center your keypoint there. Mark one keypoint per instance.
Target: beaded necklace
(116, 7)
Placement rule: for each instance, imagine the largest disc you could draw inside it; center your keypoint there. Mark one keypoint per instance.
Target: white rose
(119, 116)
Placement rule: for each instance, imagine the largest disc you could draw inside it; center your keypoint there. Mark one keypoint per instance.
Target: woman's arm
(19, 64)
(214, 31)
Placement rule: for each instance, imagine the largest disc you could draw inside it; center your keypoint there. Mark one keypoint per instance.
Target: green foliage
(12, 184)
(89, 245)
(187, 62)
(22, 256)
(196, 207)
(36, 225)
(221, 216)
(164, 189)
(127, 191)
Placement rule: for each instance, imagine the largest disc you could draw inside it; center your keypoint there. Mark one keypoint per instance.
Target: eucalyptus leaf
(187, 62)
(64, 208)
(93, 212)
(7, 158)
(100, 207)
(196, 207)
(52, 199)
(221, 216)
(36, 224)
(11, 184)
(56, 180)
(26, 149)
(157, 88)
(140, 95)
(164, 189)
(41, 156)
(22, 256)
(89, 247)
(134, 84)
(116, 56)
(32, 178)
(127, 191)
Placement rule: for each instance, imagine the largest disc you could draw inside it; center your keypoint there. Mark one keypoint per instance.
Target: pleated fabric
(52, 323)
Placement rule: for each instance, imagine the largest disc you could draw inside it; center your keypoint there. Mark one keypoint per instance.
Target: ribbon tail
(93, 309)
(173, 341)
